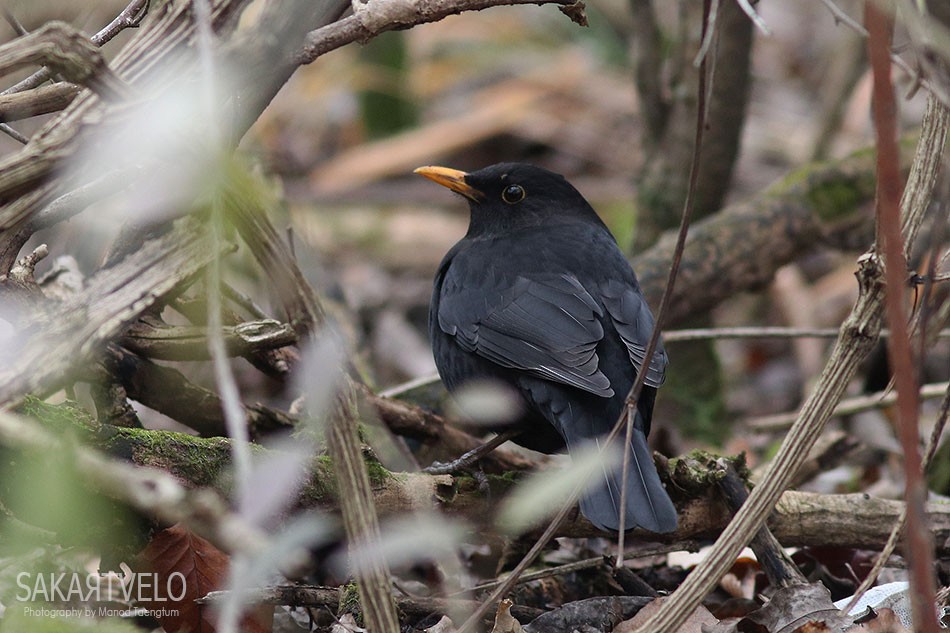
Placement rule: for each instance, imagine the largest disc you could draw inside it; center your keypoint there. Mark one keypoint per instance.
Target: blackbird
(539, 296)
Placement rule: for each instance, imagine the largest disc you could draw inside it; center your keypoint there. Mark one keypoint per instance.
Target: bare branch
(191, 342)
(848, 406)
(66, 51)
(374, 17)
(42, 100)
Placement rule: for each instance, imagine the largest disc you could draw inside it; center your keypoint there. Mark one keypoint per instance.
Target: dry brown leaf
(346, 624)
(693, 624)
(445, 625)
(175, 554)
(813, 627)
(793, 607)
(504, 621)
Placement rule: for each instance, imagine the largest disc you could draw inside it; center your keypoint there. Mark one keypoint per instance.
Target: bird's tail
(648, 504)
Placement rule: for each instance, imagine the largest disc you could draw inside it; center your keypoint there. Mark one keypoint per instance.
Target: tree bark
(801, 519)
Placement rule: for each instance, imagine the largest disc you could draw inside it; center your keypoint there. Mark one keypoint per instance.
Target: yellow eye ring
(512, 194)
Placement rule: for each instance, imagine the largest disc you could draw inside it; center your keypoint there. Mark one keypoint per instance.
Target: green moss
(321, 487)
(694, 473)
(350, 602)
(497, 485)
(208, 459)
(839, 198)
(378, 474)
(58, 417)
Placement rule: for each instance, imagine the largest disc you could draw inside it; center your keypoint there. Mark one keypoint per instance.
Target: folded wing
(547, 325)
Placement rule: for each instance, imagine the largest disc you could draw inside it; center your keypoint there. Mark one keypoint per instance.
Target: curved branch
(377, 16)
(740, 248)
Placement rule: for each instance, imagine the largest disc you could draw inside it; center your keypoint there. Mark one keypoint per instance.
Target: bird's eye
(512, 194)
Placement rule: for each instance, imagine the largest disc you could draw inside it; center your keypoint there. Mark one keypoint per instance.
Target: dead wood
(800, 519)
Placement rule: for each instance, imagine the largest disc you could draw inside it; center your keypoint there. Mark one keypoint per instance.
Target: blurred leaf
(287, 549)
(275, 479)
(45, 490)
(420, 537)
(13, 319)
(318, 376)
(542, 494)
(486, 402)
(176, 151)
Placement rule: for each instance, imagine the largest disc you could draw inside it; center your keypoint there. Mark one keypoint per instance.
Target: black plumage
(539, 296)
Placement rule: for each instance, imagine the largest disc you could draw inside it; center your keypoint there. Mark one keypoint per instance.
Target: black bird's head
(510, 196)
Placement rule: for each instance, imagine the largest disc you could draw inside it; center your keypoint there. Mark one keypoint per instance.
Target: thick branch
(42, 100)
(800, 519)
(374, 17)
(740, 248)
(191, 343)
(68, 336)
(67, 52)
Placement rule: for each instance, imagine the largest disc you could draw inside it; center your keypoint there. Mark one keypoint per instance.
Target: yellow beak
(454, 179)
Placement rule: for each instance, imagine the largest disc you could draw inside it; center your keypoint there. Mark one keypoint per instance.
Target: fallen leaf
(179, 567)
(791, 608)
(693, 623)
(445, 625)
(504, 621)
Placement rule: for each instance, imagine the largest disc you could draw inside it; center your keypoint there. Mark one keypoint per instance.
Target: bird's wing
(634, 322)
(545, 324)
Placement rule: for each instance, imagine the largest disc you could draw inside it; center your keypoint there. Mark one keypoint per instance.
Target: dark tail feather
(648, 504)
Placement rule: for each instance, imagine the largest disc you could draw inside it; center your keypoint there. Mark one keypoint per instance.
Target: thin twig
(898, 529)
(848, 406)
(235, 418)
(749, 10)
(690, 334)
(627, 417)
(920, 543)
(587, 563)
(843, 18)
(471, 456)
(709, 33)
(415, 383)
(13, 133)
(745, 332)
(130, 17)
(629, 414)
(13, 21)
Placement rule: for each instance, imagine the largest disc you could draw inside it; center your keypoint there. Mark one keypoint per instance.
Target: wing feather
(548, 325)
(634, 322)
